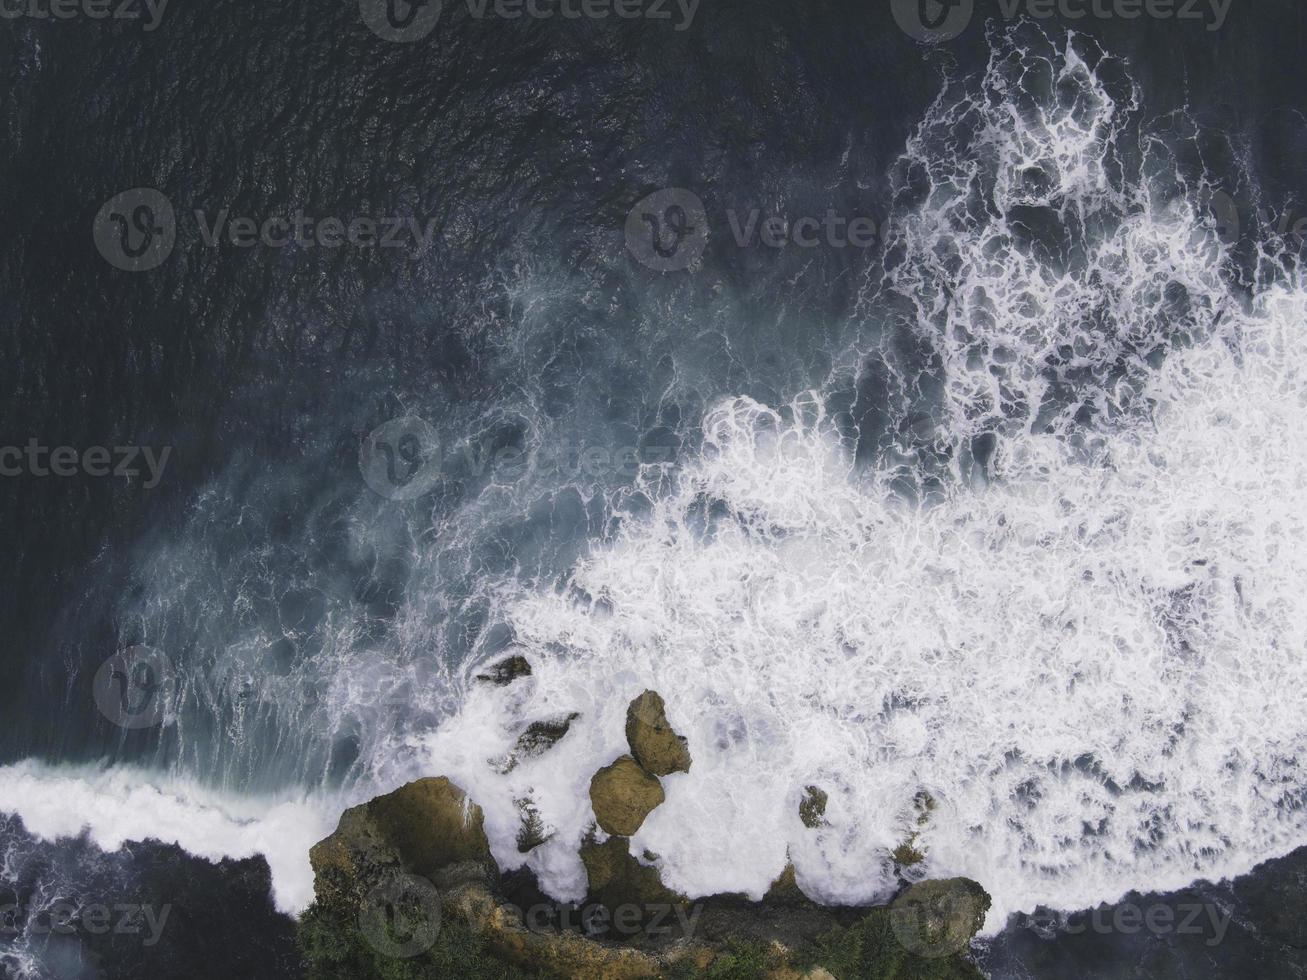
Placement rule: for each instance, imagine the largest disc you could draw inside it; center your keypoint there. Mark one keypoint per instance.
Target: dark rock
(506, 671)
(541, 736)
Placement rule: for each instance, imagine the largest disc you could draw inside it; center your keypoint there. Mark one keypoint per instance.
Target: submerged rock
(505, 671)
(812, 808)
(653, 742)
(538, 738)
(622, 795)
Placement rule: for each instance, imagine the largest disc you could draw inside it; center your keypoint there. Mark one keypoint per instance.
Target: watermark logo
(401, 916)
(88, 9)
(401, 459)
(1128, 918)
(932, 21)
(667, 231)
(134, 688)
(1225, 216)
(405, 21)
(95, 918)
(136, 230)
(935, 926)
(35, 459)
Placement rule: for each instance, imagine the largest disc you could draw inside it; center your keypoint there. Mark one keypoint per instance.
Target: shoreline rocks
(622, 795)
(406, 886)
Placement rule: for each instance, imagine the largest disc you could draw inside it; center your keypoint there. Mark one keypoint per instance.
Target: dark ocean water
(277, 583)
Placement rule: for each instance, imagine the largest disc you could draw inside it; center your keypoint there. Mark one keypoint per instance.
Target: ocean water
(1007, 508)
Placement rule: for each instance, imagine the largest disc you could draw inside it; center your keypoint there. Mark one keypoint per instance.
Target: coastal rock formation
(407, 887)
(422, 827)
(653, 742)
(622, 795)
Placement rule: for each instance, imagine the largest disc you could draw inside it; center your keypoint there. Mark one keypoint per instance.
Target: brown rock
(622, 795)
(421, 827)
(653, 742)
(616, 878)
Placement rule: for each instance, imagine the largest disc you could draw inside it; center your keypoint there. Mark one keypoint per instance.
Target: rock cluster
(623, 793)
(429, 837)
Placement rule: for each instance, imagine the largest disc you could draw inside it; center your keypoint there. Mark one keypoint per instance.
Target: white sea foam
(120, 804)
(1092, 658)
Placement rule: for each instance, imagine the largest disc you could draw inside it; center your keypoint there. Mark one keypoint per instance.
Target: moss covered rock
(653, 742)
(616, 878)
(939, 918)
(422, 827)
(622, 795)
(812, 808)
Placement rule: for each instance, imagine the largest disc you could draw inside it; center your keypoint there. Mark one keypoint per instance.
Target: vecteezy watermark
(94, 918)
(596, 920)
(404, 459)
(667, 231)
(87, 9)
(400, 917)
(136, 230)
(933, 21)
(407, 21)
(1160, 919)
(935, 925)
(401, 459)
(35, 459)
(135, 688)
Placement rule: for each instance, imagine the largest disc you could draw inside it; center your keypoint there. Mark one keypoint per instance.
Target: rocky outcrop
(616, 878)
(622, 795)
(653, 743)
(422, 827)
(938, 918)
(415, 864)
